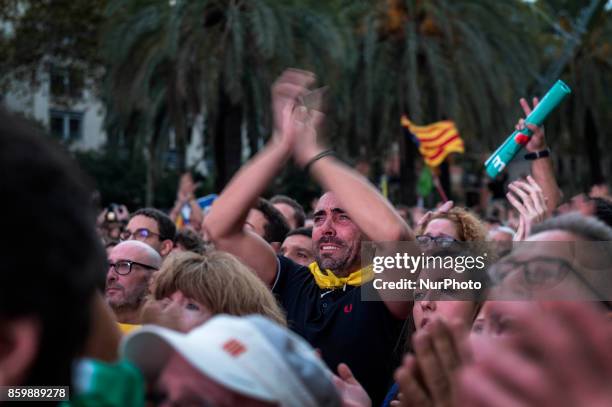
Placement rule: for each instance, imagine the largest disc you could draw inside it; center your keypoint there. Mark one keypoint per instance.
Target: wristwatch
(538, 154)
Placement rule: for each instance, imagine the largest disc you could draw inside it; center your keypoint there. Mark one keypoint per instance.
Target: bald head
(571, 227)
(132, 263)
(572, 256)
(137, 251)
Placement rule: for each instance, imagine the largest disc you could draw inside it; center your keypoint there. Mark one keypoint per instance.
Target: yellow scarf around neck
(326, 279)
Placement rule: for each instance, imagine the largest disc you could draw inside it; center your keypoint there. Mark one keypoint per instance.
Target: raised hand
(288, 89)
(528, 199)
(444, 208)
(412, 390)
(428, 377)
(306, 124)
(537, 141)
(350, 390)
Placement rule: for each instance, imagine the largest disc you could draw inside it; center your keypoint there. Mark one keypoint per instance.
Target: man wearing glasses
(153, 227)
(567, 257)
(131, 264)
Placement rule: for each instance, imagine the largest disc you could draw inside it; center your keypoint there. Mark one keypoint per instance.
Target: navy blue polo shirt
(362, 334)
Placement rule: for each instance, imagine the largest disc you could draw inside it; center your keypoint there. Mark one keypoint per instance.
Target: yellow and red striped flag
(435, 141)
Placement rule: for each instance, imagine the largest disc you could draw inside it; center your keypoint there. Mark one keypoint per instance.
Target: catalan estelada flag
(435, 141)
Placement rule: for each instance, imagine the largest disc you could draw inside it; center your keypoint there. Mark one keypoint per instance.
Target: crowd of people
(259, 302)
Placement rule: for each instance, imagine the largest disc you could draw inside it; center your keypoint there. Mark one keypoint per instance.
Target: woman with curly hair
(448, 225)
(438, 231)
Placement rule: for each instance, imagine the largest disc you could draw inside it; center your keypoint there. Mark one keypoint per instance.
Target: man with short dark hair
(188, 240)
(597, 207)
(291, 210)
(51, 264)
(153, 227)
(267, 221)
(297, 246)
(324, 300)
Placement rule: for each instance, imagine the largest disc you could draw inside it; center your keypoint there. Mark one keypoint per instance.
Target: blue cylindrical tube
(508, 150)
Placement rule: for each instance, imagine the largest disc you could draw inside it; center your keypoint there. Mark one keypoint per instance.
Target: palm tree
(581, 35)
(169, 62)
(136, 96)
(464, 60)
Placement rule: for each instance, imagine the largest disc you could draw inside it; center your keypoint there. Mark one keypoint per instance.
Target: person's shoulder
(286, 265)
(290, 276)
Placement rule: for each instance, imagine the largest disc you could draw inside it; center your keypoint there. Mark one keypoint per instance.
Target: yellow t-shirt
(127, 328)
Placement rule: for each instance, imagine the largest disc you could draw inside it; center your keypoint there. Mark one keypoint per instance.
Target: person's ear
(166, 248)
(19, 343)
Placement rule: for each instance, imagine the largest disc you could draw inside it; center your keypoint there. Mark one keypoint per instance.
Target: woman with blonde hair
(190, 288)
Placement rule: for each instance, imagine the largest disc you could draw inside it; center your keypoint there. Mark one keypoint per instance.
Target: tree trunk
(228, 141)
(150, 165)
(180, 130)
(408, 154)
(178, 119)
(592, 148)
(152, 159)
(583, 22)
(252, 134)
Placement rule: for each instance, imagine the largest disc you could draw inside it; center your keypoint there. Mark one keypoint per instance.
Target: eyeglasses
(124, 267)
(539, 272)
(443, 241)
(139, 234)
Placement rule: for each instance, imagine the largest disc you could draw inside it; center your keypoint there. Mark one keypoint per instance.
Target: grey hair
(586, 227)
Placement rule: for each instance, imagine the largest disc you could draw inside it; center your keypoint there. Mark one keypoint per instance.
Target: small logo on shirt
(348, 308)
(323, 294)
(234, 347)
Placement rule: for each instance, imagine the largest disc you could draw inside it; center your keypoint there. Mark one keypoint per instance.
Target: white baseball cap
(250, 355)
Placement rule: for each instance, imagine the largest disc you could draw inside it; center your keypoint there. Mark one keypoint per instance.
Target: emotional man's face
(336, 239)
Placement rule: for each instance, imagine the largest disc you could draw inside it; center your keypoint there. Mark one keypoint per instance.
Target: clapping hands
(295, 122)
(427, 378)
(559, 356)
(528, 199)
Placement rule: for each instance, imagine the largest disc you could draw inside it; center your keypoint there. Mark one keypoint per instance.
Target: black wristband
(537, 154)
(318, 157)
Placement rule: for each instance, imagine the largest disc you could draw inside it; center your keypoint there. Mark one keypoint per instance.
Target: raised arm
(366, 207)
(542, 168)
(370, 211)
(224, 225)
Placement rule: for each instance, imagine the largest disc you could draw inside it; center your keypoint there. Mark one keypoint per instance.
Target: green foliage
(588, 72)
(467, 61)
(120, 179)
(297, 184)
(62, 32)
(167, 62)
